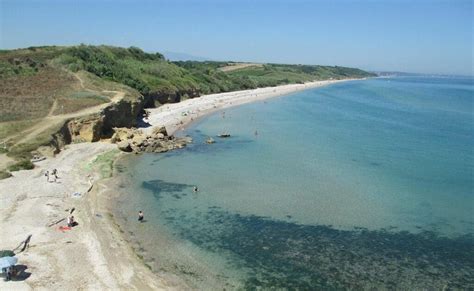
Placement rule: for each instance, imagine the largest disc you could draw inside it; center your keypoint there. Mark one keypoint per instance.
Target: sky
(434, 37)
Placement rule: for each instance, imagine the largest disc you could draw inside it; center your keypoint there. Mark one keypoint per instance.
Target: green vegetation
(24, 164)
(22, 151)
(214, 80)
(103, 163)
(8, 129)
(5, 174)
(151, 74)
(37, 82)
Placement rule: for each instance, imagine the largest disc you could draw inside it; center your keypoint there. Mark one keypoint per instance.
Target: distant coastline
(177, 116)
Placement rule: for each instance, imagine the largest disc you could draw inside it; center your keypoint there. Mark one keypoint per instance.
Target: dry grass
(238, 66)
(79, 100)
(27, 97)
(10, 128)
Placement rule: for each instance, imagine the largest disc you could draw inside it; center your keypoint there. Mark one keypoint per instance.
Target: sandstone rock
(158, 130)
(124, 146)
(120, 133)
(114, 138)
(85, 130)
(138, 140)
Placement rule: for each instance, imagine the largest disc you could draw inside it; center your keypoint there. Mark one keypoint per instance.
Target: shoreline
(177, 116)
(89, 251)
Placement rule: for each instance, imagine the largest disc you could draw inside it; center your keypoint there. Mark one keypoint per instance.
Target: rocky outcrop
(116, 122)
(101, 125)
(88, 129)
(135, 140)
(121, 114)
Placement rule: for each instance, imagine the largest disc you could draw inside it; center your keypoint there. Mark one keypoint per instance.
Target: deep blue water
(363, 184)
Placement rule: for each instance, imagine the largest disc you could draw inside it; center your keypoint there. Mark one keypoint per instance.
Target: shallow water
(359, 184)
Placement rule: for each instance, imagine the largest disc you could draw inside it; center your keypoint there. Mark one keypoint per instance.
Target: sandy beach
(93, 255)
(176, 116)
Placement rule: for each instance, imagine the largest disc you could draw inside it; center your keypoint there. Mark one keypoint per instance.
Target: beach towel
(64, 228)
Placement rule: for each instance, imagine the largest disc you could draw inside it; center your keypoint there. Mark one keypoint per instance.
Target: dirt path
(81, 82)
(238, 66)
(55, 120)
(5, 161)
(53, 108)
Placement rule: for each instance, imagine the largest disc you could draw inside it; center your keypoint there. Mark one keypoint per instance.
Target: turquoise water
(356, 185)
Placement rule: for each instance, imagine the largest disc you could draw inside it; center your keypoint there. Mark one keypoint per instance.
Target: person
(140, 216)
(54, 173)
(9, 274)
(70, 221)
(195, 189)
(47, 176)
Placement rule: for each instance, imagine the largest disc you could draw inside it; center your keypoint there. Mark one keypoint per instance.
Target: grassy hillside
(39, 84)
(217, 77)
(150, 73)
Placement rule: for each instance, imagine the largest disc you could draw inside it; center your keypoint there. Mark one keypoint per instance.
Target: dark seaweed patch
(281, 254)
(159, 187)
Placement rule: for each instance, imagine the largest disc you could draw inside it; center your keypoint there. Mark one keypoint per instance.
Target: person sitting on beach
(70, 221)
(140, 216)
(9, 274)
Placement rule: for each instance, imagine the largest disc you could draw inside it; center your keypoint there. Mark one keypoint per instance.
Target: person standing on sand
(140, 216)
(54, 173)
(47, 176)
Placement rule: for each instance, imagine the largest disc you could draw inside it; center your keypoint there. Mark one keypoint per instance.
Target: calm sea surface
(355, 185)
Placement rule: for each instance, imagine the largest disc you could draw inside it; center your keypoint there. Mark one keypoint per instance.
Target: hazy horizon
(428, 37)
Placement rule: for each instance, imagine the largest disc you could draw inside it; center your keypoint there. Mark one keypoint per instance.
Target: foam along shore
(94, 254)
(178, 115)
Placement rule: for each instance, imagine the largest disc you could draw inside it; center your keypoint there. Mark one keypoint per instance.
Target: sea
(364, 184)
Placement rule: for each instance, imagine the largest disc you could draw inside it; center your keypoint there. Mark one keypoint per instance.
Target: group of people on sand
(51, 176)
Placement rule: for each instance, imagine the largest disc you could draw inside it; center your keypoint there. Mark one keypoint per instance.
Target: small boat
(223, 135)
(210, 140)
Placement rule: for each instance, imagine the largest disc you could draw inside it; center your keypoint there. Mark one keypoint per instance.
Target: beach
(94, 254)
(177, 115)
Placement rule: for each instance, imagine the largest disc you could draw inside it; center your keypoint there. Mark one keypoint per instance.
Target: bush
(21, 165)
(4, 175)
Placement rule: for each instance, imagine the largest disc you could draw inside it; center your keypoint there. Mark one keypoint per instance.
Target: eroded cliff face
(114, 120)
(155, 99)
(118, 122)
(101, 125)
(121, 114)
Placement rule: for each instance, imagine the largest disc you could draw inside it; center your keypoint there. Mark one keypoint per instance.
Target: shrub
(21, 165)
(4, 175)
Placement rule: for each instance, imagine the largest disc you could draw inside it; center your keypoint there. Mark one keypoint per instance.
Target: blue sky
(413, 36)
